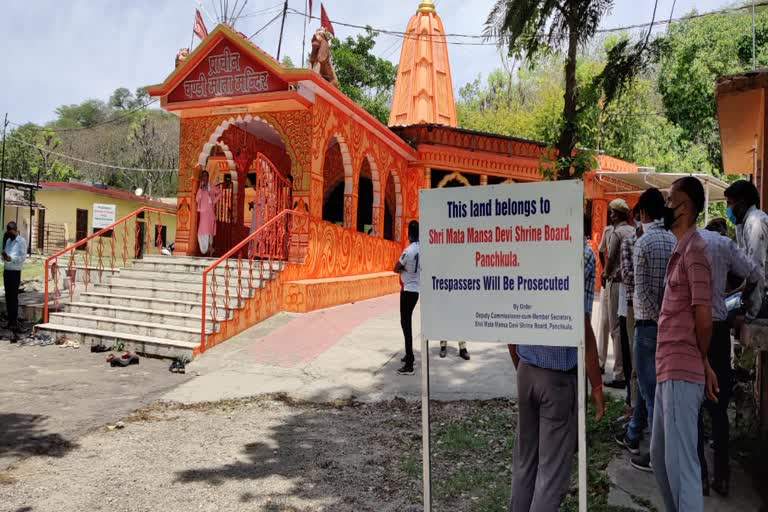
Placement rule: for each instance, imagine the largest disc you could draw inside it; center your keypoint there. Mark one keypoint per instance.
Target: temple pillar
(483, 179)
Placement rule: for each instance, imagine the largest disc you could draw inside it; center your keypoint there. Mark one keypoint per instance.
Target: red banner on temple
(325, 22)
(200, 30)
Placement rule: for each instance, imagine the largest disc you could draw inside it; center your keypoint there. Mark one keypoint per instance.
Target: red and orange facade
(354, 182)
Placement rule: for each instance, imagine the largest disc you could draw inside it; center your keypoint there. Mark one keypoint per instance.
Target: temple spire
(424, 91)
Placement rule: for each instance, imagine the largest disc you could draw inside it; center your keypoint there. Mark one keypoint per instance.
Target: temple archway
(393, 207)
(455, 179)
(337, 183)
(368, 197)
(233, 147)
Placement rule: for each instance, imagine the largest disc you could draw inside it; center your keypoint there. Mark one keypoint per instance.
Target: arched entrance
(252, 169)
(365, 198)
(393, 207)
(337, 183)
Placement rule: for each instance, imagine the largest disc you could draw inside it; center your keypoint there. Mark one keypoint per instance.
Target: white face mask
(647, 227)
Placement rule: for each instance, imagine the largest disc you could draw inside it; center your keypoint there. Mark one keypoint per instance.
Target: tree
(288, 62)
(365, 78)
(531, 28)
(695, 52)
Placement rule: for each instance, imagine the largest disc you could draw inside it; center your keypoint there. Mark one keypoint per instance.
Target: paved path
(348, 351)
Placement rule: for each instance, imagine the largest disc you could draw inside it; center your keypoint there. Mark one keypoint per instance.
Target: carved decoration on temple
(181, 56)
(320, 58)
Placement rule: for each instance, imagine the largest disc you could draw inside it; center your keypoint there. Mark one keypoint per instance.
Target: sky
(65, 52)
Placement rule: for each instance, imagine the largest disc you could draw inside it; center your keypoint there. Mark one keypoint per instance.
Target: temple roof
(424, 90)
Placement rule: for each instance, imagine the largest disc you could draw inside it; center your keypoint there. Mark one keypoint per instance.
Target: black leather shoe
(464, 354)
(443, 351)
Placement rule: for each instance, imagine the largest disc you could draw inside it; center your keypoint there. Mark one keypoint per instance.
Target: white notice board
(503, 263)
(103, 215)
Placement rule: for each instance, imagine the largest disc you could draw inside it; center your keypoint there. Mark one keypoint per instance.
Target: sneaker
(623, 441)
(464, 354)
(406, 369)
(443, 351)
(642, 462)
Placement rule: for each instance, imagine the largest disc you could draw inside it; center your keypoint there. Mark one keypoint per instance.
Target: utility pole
(304, 41)
(754, 53)
(282, 28)
(2, 173)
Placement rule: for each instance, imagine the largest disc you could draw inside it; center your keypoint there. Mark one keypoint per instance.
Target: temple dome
(424, 90)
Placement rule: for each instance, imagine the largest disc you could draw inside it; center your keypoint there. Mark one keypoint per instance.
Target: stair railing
(127, 239)
(244, 286)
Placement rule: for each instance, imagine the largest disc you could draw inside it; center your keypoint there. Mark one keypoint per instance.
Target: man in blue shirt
(14, 253)
(547, 428)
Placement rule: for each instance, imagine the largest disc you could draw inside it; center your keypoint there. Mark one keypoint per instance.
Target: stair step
(180, 281)
(165, 305)
(170, 264)
(142, 290)
(154, 330)
(145, 345)
(138, 314)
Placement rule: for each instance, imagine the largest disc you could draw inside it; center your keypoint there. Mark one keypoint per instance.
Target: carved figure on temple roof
(320, 58)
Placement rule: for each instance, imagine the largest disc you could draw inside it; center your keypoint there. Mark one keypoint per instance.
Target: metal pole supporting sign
(425, 428)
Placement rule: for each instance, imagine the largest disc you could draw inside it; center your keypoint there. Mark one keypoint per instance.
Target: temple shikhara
(316, 193)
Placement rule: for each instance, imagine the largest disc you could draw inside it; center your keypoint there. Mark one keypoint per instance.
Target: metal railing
(242, 287)
(131, 237)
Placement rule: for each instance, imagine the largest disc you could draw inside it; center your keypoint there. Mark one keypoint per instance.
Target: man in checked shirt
(650, 256)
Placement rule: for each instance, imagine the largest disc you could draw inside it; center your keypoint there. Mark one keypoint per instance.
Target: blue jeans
(645, 367)
(674, 456)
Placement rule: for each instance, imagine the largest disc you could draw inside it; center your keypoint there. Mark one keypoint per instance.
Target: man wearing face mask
(14, 254)
(751, 227)
(683, 372)
(650, 256)
(621, 230)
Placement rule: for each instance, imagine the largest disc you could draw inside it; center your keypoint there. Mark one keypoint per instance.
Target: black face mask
(669, 216)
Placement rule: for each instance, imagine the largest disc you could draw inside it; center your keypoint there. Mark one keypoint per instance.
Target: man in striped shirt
(547, 429)
(682, 368)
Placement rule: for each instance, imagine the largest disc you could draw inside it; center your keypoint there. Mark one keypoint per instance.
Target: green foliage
(117, 132)
(695, 53)
(532, 29)
(288, 62)
(365, 78)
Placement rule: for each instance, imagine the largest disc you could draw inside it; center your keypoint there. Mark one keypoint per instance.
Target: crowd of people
(672, 296)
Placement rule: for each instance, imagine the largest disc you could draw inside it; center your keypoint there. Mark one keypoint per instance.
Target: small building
(74, 210)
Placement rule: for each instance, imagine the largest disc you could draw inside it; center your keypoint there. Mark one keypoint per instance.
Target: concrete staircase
(152, 308)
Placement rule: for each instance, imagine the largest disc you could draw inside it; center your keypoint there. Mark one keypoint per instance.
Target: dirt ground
(267, 454)
(50, 396)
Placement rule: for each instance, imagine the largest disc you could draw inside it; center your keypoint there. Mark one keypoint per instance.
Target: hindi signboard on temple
(503, 263)
(226, 71)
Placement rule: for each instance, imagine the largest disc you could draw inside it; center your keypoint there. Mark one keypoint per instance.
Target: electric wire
(80, 160)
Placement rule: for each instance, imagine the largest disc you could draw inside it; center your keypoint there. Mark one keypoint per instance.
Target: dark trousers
(626, 356)
(408, 302)
(546, 439)
(720, 360)
(11, 282)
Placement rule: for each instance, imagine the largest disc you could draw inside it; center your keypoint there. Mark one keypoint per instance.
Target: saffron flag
(325, 22)
(200, 30)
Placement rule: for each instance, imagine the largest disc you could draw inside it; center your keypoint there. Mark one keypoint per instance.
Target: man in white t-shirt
(409, 268)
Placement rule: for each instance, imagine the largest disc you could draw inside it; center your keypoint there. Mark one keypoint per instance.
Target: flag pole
(304, 41)
(282, 28)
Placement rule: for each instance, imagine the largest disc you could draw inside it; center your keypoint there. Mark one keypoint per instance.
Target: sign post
(503, 264)
(103, 215)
